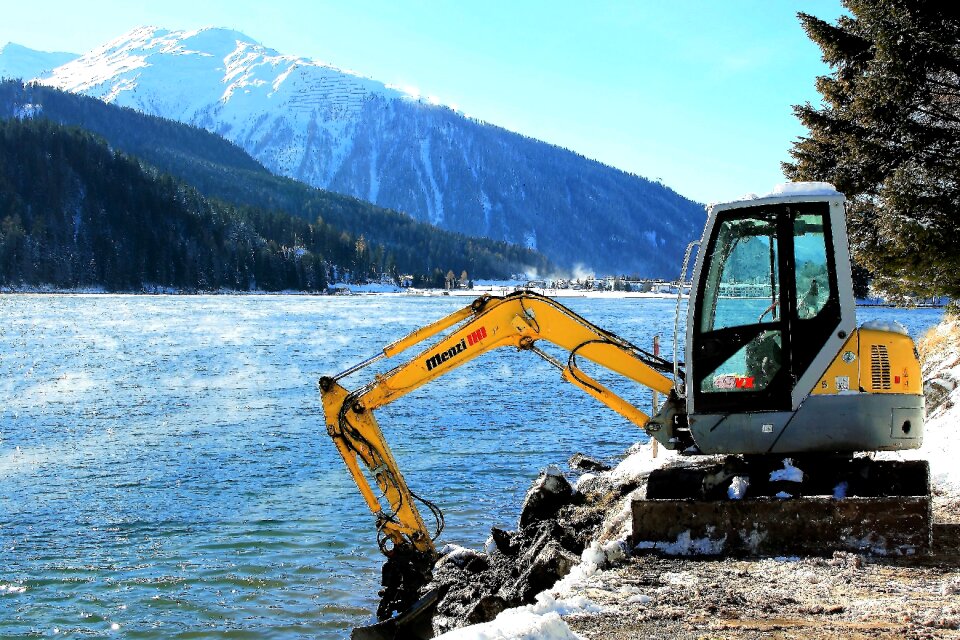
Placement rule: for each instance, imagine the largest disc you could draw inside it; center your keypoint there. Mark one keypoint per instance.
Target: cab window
(743, 279)
(810, 256)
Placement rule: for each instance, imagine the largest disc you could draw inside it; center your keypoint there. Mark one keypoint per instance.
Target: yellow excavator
(775, 366)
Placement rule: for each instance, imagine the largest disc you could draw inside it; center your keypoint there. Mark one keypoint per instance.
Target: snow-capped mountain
(17, 61)
(337, 130)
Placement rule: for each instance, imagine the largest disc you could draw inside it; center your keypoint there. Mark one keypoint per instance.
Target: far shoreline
(395, 291)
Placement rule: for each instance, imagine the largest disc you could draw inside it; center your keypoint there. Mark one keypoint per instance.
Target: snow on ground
(543, 619)
(531, 622)
(940, 350)
(942, 388)
(789, 473)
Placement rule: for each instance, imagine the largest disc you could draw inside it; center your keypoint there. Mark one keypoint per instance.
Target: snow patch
(374, 175)
(640, 461)
(804, 188)
(891, 326)
(487, 210)
(28, 111)
(793, 189)
(738, 487)
(639, 598)
(531, 622)
(554, 479)
(789, 473)
(530, 239)
(840, 491)
(686, 545)
(950, 587)
(941, 437)
(434, 204)
(456, 554)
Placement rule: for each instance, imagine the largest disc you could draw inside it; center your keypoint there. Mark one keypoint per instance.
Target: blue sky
(696, 94)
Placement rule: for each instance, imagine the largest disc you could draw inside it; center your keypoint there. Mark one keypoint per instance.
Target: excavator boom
(518, 320)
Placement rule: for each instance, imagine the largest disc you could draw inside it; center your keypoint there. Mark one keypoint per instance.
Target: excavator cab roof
(799, 191)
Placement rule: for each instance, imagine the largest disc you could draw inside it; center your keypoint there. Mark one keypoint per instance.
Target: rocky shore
(610, 591)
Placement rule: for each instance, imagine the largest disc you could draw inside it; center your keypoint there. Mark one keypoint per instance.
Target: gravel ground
(846, 596)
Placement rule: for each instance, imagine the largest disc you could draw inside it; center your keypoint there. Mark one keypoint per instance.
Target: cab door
(765, 306)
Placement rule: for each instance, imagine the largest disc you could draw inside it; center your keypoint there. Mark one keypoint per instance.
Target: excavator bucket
(875, 508)
(413, 624)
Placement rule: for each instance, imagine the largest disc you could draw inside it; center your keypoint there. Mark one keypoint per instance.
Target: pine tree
(888, 135)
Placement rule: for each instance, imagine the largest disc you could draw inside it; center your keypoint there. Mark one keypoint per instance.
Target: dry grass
(940, 340)
(939, 352)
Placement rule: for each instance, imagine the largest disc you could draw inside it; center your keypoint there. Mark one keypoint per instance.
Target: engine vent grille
(880, 366)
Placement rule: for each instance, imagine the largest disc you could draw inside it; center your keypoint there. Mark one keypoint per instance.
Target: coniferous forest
(92, 195)
(75, 214)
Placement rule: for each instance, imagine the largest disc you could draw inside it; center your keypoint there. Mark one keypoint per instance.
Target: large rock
(503, 541)
(555, 524)
(550, 492)
(486, 609)
(551, 563)
(585, 463)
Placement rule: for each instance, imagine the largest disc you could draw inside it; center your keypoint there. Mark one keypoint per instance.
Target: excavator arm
(518, 320)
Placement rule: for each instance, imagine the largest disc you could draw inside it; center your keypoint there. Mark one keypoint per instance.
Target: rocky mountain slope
(336, 130)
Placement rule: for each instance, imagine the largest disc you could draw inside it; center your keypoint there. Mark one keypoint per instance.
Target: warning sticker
(731, 381)
(843, 383)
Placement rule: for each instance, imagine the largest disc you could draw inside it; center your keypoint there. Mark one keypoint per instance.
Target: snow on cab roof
(790, 189)
(803, 188)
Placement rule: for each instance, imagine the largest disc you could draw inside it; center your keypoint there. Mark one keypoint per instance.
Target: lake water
(165, 471)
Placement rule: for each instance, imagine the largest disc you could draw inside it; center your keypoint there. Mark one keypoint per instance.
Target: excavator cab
(753, 329)
(771, 314)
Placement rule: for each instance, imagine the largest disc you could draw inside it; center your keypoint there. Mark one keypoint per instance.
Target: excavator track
(880, 508)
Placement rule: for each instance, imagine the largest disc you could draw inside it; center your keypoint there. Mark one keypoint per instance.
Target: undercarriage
(762, 505)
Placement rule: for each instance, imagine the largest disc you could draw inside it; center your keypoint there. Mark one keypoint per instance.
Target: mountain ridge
(222, 171)
(18, 61)
(354, 135)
